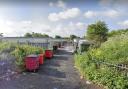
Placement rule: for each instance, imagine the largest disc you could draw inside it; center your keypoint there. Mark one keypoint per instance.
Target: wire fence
(121, 67)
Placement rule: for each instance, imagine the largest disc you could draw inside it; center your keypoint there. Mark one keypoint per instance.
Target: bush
(114, 51)
(21, 51)
(6, 47)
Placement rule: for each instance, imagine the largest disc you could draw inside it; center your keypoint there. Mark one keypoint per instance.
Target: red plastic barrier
(41, 58)
(48, 53)
(32, 62)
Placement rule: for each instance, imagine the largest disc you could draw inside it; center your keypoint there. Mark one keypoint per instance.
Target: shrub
(114, 51)
(7, 47)
(21, 51)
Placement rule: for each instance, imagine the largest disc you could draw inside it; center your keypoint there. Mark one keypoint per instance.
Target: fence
(123, 68)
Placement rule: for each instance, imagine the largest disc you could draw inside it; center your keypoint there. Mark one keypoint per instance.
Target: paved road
(56, 73)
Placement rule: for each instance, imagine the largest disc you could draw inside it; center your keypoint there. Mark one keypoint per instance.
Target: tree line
(33, 34)
(99, 32)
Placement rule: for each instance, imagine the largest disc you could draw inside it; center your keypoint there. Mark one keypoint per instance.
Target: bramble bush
(114, 51)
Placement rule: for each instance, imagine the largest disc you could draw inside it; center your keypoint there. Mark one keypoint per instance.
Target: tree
(1, 34)
(58, 37)
(45, 35)
(97, 32)
(117, 32)
(73, 37)
(33, 34)
(28, 35)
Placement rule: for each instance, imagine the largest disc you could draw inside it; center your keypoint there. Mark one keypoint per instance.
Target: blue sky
(60, 17)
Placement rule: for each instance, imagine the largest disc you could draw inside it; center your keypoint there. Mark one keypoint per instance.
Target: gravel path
(55, 73)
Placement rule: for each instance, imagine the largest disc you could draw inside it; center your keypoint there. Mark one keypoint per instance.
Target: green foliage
(73, 37)
(33, 34)
(84, 47)
(117, 32)
(57, 37)
(5, 46)
(1, 34)
(114, 51)
(97, 32)
(21, 51)
(28, 35)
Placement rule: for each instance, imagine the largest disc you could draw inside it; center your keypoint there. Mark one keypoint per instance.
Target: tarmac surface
(55, 73)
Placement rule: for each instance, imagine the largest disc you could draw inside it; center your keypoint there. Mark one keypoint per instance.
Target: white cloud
(106, 13)
(124, 23)
(26, 22)
(19, 28)
(81, 25)
(90, 14)
(70, 28)
(9, 23)
(59, 3)
(69, 13)
(111, 13)
(53, 17)
(51, 4)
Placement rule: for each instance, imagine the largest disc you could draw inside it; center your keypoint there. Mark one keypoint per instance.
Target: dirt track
(56, 73)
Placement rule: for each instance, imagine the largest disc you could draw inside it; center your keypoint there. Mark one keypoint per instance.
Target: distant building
(46, 42)
(81, 45)
(24, 39)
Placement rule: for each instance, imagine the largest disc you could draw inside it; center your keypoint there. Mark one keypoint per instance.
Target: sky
(60, 17)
